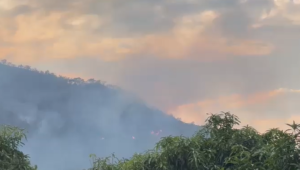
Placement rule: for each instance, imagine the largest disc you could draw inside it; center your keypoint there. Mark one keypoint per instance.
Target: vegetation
(217, 146)
(10, 156)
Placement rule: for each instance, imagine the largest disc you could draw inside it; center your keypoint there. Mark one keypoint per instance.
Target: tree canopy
(217, 146)
(11, 158)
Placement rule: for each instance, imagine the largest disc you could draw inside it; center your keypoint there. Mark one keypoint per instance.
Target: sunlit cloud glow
(216, 55)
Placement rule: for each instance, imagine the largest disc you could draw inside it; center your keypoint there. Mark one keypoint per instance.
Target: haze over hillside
(68, 119)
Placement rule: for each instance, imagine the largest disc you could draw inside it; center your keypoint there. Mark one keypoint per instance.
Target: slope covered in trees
(67, 119)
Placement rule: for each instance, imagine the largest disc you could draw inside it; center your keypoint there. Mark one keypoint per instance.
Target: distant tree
(217, 146)
(11, 158)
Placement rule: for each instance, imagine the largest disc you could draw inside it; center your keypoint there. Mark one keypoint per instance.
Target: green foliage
(217, 146)
(10, 156)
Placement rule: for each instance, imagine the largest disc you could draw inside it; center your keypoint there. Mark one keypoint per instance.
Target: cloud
(263, 110)
(39, 31)
(189, 38)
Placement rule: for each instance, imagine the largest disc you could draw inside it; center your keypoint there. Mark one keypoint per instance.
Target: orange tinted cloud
(189, 37)
(262, 110)
(41, 36)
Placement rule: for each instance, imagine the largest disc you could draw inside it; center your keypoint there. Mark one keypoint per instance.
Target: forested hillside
(67, 119)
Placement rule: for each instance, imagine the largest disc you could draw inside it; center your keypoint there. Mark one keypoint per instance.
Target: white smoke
(68, 119)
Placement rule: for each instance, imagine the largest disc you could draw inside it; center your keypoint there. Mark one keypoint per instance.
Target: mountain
(68, 119)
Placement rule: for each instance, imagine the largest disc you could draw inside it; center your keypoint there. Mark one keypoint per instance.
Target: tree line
(218, 145)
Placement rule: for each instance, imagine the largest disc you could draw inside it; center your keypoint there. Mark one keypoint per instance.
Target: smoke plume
(68, 119)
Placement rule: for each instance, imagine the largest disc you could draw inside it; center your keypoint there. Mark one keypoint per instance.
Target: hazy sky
(185, 57)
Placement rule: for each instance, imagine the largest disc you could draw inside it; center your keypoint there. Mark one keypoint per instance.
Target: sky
(185, 57)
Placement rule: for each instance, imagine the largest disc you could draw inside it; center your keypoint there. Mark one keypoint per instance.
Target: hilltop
(67, 119)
